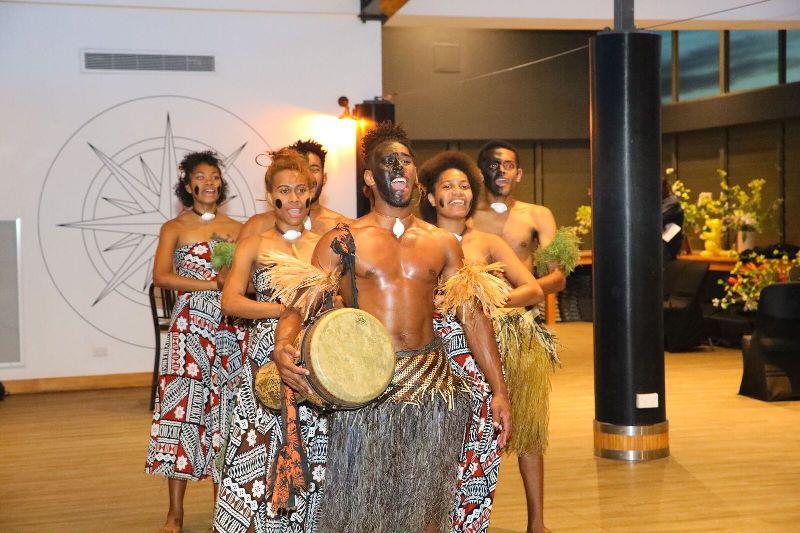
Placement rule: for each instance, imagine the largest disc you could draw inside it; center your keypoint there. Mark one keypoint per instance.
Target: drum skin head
(351, 355)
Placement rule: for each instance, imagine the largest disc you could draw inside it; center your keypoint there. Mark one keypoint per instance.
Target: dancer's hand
(294, 376)
(222, 275)
(501, 414)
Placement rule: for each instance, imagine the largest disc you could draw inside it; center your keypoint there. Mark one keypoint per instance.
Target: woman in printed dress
(449, 180)
(185, 438)
(255, 431)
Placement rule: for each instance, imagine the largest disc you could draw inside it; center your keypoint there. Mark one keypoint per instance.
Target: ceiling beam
(379, 9)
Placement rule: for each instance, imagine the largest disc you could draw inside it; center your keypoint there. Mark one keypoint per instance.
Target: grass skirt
(528, 352)
(392, 465)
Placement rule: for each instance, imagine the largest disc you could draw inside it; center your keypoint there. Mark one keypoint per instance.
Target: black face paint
(196, 190)
(389, 168)
(278, 203)
(490, 175)
(441, 202)
(308, 202)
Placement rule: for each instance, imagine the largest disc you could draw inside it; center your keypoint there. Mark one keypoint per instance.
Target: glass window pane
(666, 66)
(792, 56)
(753, 57)
(698, 56)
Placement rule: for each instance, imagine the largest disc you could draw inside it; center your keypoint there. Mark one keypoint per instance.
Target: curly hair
(383, 132)
(311, 147)
(486, 149)
(431, 171)
(188, 165)
(286, 159)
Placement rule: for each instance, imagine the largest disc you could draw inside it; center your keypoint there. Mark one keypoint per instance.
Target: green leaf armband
(563, 250)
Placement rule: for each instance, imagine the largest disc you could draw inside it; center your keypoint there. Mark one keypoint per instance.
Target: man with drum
(392, 465)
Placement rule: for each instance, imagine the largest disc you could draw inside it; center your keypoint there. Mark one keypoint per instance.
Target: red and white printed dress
(480, 458)
(185, 435)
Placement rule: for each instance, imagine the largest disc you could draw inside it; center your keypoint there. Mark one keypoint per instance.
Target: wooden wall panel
(793, 182)
(753, 153)
(566, 177)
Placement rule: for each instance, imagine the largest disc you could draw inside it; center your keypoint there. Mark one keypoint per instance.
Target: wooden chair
(161, 303)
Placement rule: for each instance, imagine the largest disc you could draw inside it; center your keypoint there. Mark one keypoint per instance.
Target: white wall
(278, 75)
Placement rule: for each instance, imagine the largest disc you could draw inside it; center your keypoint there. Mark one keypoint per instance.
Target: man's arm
(291, 321)
(481, 340)
(526, 289)
(545, 226)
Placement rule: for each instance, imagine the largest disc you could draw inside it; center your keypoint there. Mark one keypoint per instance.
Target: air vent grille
(148, 62)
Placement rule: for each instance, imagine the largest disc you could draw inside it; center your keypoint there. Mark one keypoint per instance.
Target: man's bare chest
(391, 262)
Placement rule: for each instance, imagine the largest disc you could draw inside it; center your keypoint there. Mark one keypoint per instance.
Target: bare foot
(538, 528)
(174, 524)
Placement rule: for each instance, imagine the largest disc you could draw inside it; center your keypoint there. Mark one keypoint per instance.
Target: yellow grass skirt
(529, 357)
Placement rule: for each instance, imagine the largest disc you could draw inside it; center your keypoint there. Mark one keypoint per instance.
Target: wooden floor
(73, 461)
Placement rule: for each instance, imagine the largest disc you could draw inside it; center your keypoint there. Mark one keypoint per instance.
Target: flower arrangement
(738, 207)
(583, 216)
(750, 275)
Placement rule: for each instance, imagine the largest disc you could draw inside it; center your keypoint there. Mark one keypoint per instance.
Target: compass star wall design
(106, 194)
(149, 203)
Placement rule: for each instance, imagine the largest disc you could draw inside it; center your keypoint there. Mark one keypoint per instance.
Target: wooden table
(715, 264)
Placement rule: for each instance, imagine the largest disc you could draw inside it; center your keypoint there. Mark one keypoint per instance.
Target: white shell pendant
(208, 217)
(292, 234)
(307, 223)
(498, 207)
(457, 236)
(398, 228)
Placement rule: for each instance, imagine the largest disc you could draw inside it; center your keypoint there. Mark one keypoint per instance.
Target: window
(666, 66)
(698, 63)
(792, 56)
(753, 59)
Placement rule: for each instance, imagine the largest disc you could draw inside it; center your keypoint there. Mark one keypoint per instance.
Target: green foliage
(563, 251)
(222, 255)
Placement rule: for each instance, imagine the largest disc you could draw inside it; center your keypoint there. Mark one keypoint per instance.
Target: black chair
(771, 356)
(161, 311)
(683, 315)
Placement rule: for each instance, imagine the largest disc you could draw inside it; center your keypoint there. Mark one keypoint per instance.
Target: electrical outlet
(100, 351)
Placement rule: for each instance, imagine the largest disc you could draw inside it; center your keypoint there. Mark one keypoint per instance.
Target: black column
(626, 220)
(368, 113)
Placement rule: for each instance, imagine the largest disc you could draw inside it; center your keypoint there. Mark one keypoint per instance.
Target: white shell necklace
(498, 207)
(290, 235)
(207, 216)
(459, 236)
(398, 228)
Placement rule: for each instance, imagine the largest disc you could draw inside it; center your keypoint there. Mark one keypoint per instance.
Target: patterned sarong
(480, 459)
(243, 504)
(185, 435)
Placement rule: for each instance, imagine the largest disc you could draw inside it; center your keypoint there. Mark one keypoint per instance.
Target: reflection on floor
(73, 461)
